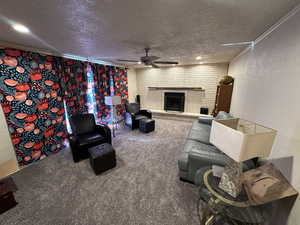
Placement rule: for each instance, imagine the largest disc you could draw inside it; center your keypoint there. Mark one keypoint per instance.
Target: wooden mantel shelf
(177, 88)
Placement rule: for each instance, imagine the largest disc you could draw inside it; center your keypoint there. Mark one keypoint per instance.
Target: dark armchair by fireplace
(134, 114)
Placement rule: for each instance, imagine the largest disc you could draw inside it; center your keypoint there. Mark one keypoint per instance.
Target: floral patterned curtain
(120, 87)
(33, 88)
(75, 86)
(32, 100)
(102, 89)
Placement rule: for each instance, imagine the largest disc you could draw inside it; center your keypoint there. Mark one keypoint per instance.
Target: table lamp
(240, 140)
(113, 101)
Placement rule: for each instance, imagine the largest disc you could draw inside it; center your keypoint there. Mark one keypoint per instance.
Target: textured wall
(132, 85)
(205, 76)
(267, 91)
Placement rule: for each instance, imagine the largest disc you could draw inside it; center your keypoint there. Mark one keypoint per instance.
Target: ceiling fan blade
(152, 58)
(149, 58)
(154, 65)
(165, 62)
(128, 60)
(250, 43)
(101, 57)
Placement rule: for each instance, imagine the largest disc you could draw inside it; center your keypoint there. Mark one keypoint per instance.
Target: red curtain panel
(32, 100)
(120, 87)
(75, 86)
(102, 89)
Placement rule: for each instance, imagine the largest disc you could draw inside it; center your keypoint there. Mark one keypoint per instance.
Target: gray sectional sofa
(198, 152)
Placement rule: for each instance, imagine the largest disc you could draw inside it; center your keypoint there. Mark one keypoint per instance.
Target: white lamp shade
(112, 100)
(241, 139)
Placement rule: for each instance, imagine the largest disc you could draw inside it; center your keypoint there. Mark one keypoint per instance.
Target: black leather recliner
(134, 114)
(86, 134)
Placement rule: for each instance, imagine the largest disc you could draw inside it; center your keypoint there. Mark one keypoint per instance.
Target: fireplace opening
(174, 101)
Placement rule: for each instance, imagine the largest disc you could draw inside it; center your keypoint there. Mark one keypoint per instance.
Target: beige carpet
(143, 189)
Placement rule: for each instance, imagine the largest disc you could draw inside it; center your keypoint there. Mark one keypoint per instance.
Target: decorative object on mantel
(240, 140)
(7, 199)
(266, 184)
(226, 80)
(223, 95)
(178, 88)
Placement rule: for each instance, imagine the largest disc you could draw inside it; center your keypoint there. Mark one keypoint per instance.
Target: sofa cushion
(205, 120)
(193, 145)
(200, 126)
(200, 132)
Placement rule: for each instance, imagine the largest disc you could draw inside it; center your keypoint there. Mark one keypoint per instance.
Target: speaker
(138, 99)
(204, 110)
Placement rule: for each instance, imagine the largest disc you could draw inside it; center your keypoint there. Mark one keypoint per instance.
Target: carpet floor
(144, 188)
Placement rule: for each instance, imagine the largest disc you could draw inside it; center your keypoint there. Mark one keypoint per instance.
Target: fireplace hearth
(174, 101)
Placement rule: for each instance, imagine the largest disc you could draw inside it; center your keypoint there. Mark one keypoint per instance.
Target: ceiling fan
(149, 60)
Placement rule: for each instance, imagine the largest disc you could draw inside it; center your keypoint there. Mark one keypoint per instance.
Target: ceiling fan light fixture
(21, 28)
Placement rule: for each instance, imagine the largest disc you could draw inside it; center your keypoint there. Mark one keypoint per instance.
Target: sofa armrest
(205, 158)
(104, 131)
(145, 112)
(197, 160)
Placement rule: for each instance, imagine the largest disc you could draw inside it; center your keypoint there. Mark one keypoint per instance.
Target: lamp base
(231, 179)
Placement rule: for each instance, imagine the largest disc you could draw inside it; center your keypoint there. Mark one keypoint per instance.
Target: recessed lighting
(198, 57)
(20, 28)
(139, 62)
(174, 65)
(201, 63)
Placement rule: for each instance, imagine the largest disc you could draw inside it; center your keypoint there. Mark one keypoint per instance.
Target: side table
(7, 199)
(221, 208)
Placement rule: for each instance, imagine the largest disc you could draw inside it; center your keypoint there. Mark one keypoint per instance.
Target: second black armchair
(86, 134)
(134, 114)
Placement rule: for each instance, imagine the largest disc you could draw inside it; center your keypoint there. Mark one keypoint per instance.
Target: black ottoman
(102, 158)
(147, 125)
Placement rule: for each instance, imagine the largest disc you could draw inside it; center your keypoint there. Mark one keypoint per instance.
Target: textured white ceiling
(174, 29)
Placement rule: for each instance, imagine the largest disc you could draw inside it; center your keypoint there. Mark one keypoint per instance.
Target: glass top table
(219, 203)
